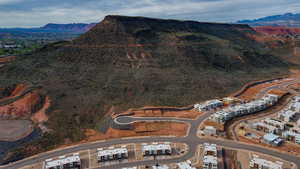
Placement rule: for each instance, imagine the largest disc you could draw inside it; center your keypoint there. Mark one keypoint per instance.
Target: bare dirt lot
(12, 130)
(141, 129)
(253, 91)
(190, 114)
(162, 111)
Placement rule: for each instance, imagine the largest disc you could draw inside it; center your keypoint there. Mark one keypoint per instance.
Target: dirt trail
(40, 116)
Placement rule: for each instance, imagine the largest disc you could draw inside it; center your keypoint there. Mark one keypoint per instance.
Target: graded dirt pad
(162, 111)
(21, 107)
(189, 114)
(253, 91)
(218, 126)
(12, 130)
(278, 92)
(141, 129)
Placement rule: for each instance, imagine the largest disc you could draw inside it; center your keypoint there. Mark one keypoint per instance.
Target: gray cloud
(28, 13)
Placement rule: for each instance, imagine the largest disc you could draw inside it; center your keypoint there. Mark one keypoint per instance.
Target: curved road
(192, 140)
(123, 120)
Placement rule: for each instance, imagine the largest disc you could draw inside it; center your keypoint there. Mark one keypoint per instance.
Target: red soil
(277, 92)
(189, 114)
(7, 59)
(40, 116)
(141, 129)
(271, 30)
(20, 88)
(263, 38)
(251, 92)
(218, 126)
(21, 107)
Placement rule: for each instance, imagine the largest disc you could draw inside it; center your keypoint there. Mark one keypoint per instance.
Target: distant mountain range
(286, 20)
(56, 32)
(51, 30)
(74, 27)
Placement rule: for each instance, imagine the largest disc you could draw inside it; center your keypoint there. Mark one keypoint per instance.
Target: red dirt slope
(21, 107)
(271, 30)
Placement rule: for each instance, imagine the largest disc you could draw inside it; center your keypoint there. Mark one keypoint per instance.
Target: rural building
(210, 162)
(260, 126)
(287, 116)
(156, 149)
(208, 105)
(112, 154)
(259, 163)
(210, 149)
(69, 162)
(276, 123)
(244, 109)
(185, 165)
(160, 167)
(295, 107)
(210, 130)
(295, 130)
(272, 139)
(291, 136)
(230, 100)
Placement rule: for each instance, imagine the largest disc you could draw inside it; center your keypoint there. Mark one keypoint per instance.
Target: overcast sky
(35, 13)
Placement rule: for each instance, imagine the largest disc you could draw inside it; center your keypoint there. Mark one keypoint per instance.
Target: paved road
(278, 86)
(123, 120)
(192, 140)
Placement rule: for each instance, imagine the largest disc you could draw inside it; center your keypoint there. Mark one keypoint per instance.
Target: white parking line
(135, 151)
(89, 158)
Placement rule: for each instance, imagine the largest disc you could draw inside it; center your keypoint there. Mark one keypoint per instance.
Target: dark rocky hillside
(134, 61)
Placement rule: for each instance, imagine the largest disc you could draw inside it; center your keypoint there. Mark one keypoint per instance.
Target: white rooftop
(61, 161)
(156, 147)
(288, 113)
(266, 163)
(160, 167)
(210, 160)
(111, 151)
(185, 165)
(210, 147)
